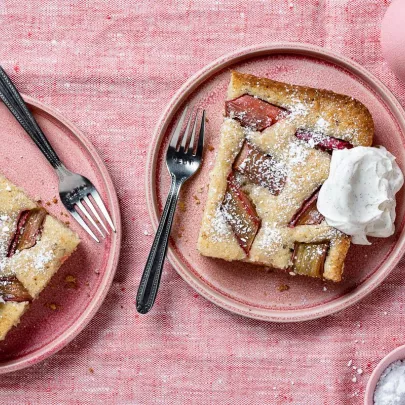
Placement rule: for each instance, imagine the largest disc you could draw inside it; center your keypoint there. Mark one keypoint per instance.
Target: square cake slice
(33, 245)
(274, 154)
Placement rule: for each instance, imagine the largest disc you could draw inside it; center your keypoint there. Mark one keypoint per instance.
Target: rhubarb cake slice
(274, 155)
(33, 245)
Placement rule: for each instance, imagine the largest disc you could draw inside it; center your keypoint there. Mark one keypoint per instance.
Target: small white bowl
(397, 354)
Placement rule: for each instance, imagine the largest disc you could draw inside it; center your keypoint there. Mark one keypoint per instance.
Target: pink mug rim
(394, 355)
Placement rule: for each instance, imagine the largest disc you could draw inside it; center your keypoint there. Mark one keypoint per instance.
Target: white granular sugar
(390, 388)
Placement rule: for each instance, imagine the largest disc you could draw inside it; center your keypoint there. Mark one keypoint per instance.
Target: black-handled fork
(182, 162)
(74, 190)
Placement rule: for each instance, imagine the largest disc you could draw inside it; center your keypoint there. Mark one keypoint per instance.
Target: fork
(74, 189)
(182, 162)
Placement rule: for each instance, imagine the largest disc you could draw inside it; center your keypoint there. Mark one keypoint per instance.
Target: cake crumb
(91, 370)
(55, 200)
(211, 148)
(283, 287)
(197, 200)
(52, 306)
(182, 206)
(71, 281)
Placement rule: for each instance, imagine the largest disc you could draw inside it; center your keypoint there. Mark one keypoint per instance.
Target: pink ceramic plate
(250, 290)
(397, 354)
(64, 308)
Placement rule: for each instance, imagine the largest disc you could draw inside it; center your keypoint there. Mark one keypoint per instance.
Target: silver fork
(182, 162)
(74, 189)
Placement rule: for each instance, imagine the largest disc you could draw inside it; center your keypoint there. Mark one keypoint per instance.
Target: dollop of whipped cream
(358, 198)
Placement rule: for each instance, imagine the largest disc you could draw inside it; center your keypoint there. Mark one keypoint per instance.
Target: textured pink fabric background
(111, 67)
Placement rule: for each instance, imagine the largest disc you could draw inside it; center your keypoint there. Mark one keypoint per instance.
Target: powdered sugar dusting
(271, 240)
(298, 109)
(298, 153)
(321, 125)
(37, 258)
(5, 222)
(42, 258)
(219, 227)
(261, 169)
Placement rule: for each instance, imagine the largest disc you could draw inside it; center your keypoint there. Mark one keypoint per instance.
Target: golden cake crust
(347, 117)
(336, 115)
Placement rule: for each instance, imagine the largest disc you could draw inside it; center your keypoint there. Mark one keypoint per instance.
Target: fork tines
(80, 211)
(187, 144)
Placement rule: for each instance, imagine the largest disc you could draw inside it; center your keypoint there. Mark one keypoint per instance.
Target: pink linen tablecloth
(111, 67)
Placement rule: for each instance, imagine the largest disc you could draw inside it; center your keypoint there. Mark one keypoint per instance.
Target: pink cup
(397, 354)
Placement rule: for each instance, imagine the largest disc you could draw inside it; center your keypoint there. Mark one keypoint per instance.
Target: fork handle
(150, 280)
(15, 103)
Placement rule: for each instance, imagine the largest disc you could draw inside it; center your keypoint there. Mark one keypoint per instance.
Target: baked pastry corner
(33, 246)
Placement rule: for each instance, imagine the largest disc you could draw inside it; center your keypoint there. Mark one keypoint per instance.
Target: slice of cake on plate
(33, 245)
(274, 155)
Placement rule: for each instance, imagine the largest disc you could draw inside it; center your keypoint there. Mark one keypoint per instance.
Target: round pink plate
(397, 354)
(77, 290)
(251, 290)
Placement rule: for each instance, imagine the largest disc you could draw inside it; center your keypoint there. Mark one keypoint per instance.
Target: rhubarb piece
(311, 216)
(253, 113)
(240, 214)
(11, 289)
(308, 213)
(323, 142)
(261, 169)
(309, 258)
(29, 227)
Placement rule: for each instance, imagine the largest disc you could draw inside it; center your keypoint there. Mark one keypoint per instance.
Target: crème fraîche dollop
(358, 198)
